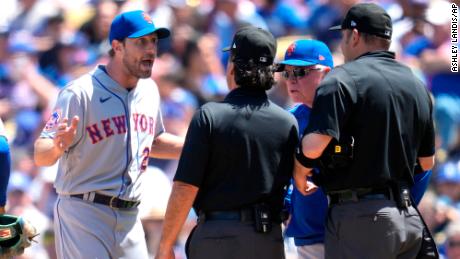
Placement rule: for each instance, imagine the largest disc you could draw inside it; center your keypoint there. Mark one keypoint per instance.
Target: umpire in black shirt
(380, 104)
(236, 162)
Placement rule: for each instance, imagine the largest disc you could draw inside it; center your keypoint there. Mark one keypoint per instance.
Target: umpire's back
(250, 155)
(378, 101)
(390, 115)
(244, 145)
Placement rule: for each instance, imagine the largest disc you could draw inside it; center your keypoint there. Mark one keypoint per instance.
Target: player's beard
(139, 68)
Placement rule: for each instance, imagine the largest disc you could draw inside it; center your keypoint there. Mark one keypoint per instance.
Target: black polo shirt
(239, 152)
(386, 109)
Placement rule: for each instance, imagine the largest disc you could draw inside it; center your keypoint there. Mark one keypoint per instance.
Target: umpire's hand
(301, 182)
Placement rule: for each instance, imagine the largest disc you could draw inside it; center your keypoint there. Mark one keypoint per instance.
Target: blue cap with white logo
(134, 24)
(308, 53)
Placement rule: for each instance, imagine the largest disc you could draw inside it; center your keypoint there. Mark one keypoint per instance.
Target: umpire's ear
(231, 75)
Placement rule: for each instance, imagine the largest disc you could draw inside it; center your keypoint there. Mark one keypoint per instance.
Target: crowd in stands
(44, 44)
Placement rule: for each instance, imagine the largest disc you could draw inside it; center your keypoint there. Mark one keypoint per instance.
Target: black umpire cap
(252, 43)
(368, 18)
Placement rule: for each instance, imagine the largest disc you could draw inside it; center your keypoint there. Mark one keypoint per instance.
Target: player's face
(139, 55)
(302, 82)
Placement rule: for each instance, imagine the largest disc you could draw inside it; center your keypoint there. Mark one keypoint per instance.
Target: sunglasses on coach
(298, 72)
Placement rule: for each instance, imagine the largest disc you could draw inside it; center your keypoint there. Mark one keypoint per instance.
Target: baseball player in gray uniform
(115, 125)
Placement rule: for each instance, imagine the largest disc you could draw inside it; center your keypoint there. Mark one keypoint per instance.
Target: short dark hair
(376, 41)
(253, 75)
(371, 39)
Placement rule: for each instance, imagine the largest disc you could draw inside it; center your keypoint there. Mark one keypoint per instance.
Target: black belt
(111, 201)
(243, 215)
(360, 194)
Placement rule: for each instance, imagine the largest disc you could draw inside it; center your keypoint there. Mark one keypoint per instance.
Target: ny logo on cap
(353, 23)
(321, 57)
(291, 49)
(263, 59)
(147, 18)
(388, 33)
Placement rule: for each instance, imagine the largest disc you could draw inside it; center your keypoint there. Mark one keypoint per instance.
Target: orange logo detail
(147, 18)
(291, 49)
(321, 57)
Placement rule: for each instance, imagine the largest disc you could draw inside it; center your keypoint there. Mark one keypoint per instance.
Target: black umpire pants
(375, 229)
(231, 239)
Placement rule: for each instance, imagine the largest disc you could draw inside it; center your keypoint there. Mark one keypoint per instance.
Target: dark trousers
(372, 229)
(233, 239)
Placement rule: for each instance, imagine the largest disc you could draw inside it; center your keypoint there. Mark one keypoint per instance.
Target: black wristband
(305, 161)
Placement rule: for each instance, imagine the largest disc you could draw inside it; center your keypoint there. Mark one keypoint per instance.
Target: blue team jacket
(308, 213)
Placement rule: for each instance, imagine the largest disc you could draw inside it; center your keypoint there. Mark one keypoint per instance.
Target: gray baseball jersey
(117, 127)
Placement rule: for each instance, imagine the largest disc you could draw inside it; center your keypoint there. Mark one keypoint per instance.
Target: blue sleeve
(421, 181)
(4, 169)
(288, 197)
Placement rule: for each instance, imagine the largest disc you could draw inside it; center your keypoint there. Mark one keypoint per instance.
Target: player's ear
(117, 45)
(231, 75)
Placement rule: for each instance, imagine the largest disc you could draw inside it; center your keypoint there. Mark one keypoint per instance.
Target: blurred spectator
(96, 30)
(408, 20)
(225, 19)
(203, 74)
(6, 78)
(435, 63)
(20, 203)
(153, 205)
(29, 91)
(161, 13)
(42, 190)
(448, 183)
(32, 14)
(452, 243)
(282, 17)
(66, 60)
(325, 14)
(177, 107)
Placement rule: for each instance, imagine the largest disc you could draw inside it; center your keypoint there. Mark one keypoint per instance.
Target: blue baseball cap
(134, 24)
(307, 53)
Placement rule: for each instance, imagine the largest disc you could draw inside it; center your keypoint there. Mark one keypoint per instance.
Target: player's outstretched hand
(65, 133)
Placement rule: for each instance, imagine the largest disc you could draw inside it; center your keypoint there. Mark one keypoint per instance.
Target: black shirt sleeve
(195, 154)
(331, 107)
(427, 146)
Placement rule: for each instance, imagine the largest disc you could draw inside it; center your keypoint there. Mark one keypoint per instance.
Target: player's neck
(120, 76)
